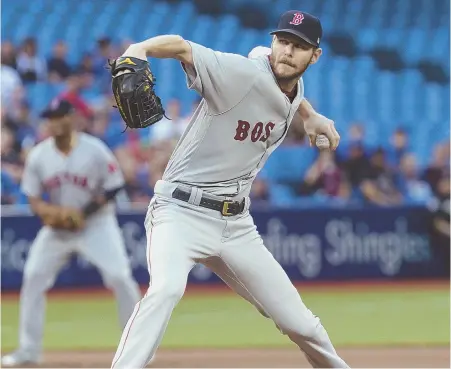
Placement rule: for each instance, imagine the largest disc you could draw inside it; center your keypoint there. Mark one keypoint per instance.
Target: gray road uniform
(73, 180)
(241, 120)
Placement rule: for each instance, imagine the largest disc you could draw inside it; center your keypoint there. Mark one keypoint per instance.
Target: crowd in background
(383, 176)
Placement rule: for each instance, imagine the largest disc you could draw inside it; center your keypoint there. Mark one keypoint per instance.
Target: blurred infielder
(81, 176)
(200, 211)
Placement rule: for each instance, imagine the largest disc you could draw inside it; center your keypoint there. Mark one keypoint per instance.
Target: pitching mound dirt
(413, 357)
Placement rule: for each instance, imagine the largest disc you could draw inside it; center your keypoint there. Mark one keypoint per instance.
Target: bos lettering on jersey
(65, 178)
(258, 132)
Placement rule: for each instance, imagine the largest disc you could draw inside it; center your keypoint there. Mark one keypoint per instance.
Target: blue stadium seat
(281, 195)
(289, 163)
(346, 89)
(367, 39)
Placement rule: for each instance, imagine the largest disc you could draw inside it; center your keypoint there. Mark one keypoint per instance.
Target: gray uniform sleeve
(31, 184)
(222, 79)
(111, 176)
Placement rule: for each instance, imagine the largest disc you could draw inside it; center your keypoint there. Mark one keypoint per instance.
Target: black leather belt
(227, 207)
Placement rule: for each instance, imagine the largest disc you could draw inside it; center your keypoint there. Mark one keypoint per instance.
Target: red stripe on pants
(139, 304)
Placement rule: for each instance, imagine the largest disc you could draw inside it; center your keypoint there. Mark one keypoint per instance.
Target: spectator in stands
(21, 128)
(440, 222)
(11, 160)
(10, 189)
(75, 84)
(157, 164)
(325, 178)
(172, 128)
(354, 138)
(414, 189)
(139, 183)
(356, 133)
(87, 64)
(260, 191)
(57, 66)
(103, 52)
(107, 124)
(8, 54)
(355, 164)
(399, 145)
(439, 166)
(11, 84)
(30, 65)
(378, 185)
(154, 175)
(100, 56)
(133, 189)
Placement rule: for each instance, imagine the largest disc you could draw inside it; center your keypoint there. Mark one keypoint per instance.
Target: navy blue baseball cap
(301, 24)
(58, 108)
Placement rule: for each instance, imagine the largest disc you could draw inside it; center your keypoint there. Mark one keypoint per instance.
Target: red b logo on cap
(297, 19)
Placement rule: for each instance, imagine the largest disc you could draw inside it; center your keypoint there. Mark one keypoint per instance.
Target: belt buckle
(225, 208)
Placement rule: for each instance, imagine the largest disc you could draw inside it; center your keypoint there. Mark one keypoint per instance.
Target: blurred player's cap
(301, 24)
(58, 108)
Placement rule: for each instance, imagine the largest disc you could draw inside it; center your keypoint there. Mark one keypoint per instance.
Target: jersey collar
(73, 144)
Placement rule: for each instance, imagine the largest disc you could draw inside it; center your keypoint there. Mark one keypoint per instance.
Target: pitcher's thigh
(176, 238)
(169, 257)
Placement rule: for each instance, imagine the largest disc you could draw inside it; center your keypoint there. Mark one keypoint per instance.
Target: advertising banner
(310, 244)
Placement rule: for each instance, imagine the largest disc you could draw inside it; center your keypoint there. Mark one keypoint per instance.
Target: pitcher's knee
(310, 328)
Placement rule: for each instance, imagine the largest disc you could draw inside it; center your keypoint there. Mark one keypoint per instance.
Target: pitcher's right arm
(162, 47)
(223, 79)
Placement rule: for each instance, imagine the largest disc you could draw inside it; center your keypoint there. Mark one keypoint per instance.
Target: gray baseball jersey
(241, 120)
(72, 180)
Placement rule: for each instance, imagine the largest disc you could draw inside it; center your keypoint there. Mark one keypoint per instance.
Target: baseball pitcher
(200, 211)
(81, 177)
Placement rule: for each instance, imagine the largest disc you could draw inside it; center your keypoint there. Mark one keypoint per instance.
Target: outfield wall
(311, 244)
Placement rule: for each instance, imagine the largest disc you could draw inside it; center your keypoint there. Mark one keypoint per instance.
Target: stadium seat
(289, 163)
(347, 88)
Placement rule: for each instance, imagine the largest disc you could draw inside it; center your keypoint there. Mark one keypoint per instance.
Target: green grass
(351, 318)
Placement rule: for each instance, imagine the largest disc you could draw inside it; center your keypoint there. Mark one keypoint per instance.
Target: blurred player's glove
(64, 218)
(72, 219)
(133, 89)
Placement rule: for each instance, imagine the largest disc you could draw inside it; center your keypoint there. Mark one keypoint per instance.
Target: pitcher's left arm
(316, 124)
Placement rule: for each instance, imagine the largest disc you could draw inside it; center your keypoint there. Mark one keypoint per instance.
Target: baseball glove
(64, 218)
(133, 88)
